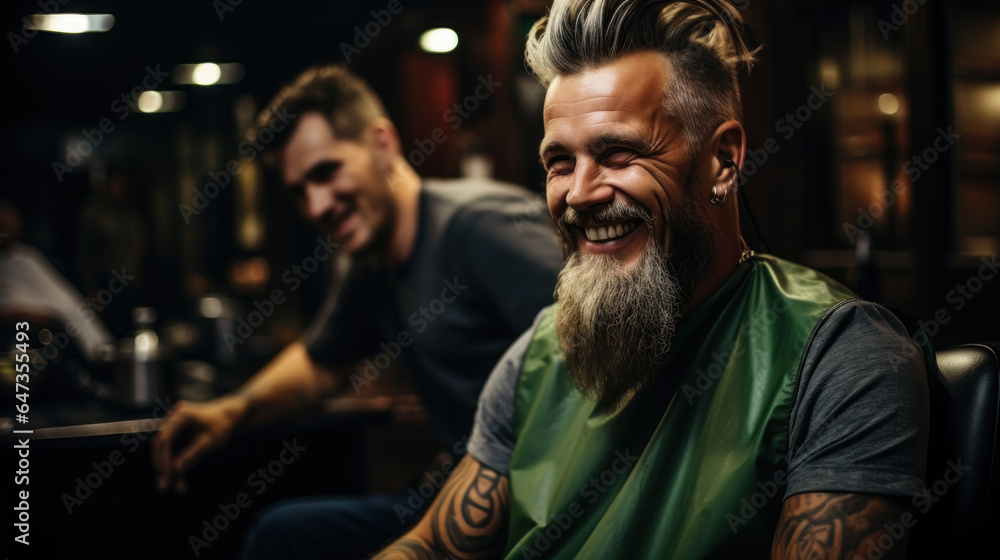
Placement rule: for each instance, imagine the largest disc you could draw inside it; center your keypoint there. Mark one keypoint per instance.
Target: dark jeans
(341, 527)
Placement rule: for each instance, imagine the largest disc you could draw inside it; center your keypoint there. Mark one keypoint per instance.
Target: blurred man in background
(31, 287)
(684, 398)
(445, 275)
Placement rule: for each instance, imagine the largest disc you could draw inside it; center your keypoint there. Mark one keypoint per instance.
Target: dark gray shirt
(484, 263)
(856, 422)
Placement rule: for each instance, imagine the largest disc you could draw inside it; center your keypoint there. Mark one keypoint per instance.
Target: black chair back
(957, 514)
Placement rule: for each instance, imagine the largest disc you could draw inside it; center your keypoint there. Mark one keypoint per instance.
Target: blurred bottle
(139, 377)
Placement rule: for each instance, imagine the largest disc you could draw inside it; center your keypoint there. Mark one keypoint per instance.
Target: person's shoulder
(869, 324)
(472, 196)
(27, 256)
(865, 332)
(472, 211)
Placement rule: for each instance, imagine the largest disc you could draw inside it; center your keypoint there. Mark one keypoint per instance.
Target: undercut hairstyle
(703, 41)
(344, 99)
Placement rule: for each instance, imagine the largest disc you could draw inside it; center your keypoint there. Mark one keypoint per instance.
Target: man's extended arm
(825, 526)
(468, 519)
(289, 383)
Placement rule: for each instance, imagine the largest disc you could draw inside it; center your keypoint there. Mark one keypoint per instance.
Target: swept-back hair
(703, 41)
(344, 100)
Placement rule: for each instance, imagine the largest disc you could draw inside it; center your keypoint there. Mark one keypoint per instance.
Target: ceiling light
(208, 73)
(888, 104)
(72, 23)
(439, 40)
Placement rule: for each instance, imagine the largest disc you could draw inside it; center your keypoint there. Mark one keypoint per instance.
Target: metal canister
(139, 374)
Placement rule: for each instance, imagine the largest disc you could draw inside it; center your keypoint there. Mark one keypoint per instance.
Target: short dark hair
(344, 99)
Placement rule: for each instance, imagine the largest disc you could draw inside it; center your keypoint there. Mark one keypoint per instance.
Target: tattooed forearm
(467, 521)
(820, 526)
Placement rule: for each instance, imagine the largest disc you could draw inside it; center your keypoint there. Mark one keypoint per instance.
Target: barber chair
(957, 517)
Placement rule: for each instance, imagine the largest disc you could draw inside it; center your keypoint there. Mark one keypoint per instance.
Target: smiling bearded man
(679, 379)
(615, 322)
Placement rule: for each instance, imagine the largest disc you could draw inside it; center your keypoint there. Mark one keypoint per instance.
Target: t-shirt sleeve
(342, 332)
(859, 422)
(509, 249)
(492, 440)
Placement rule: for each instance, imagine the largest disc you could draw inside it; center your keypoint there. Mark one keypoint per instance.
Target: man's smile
(608, 232)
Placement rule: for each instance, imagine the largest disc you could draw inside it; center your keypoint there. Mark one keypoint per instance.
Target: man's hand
(288, 385)
(468, 519)
(200, 428)
(822, 526)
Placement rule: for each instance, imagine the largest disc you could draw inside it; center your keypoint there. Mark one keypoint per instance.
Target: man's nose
(590, 187)
(319, 200)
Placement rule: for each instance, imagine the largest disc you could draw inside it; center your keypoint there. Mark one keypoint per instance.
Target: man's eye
(618, 155)
(559, 164)
(323, 172)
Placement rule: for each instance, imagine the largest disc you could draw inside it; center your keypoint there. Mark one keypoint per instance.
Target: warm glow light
(211, 307)
(206, 73)
(150, 101)
(145, 345)
(439, 40)
(829, 72)
(72, 23)
(888, 104)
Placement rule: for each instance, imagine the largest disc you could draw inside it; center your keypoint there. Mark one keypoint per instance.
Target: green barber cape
(694, 467)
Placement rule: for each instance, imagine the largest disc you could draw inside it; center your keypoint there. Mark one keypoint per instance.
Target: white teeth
(609, 232)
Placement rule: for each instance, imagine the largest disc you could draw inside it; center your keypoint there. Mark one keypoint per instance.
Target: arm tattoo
(821, 526)
(407, 548)
(467, 521)
(469, 518)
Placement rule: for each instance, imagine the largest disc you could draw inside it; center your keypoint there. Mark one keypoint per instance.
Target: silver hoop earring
(716, 199)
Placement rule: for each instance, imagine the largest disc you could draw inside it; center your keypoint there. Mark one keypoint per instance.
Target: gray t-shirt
(484, 262)
(856, 421)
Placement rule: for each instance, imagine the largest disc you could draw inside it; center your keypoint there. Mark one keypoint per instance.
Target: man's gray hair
(703, 41)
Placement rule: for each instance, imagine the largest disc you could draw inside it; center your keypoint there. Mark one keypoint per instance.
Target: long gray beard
(615, 325)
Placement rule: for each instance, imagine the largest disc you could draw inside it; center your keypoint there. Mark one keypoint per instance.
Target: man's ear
(384, 141)
(727, 144)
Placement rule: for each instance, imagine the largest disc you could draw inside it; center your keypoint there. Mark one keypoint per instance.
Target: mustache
(617, 211)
